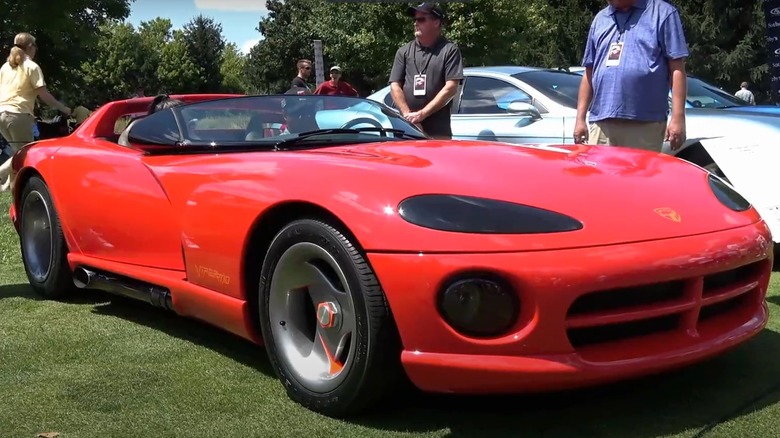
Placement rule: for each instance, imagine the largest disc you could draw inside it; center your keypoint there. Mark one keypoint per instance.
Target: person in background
(336, 86)
(21, 82)
(426, 74)
(745, 94)
(304, 72)
(635, 52)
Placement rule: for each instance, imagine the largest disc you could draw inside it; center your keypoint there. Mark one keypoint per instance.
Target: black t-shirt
(440, 63)
(298, 82)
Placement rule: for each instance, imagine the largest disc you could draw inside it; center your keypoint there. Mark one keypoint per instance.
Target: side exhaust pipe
(157, 296)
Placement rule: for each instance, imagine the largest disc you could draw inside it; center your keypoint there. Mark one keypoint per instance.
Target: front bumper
(587, 316)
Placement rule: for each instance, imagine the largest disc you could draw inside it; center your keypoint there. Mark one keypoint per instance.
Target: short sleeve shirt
(18, 87)
(440, 63)
(637, 88)
(298, 82)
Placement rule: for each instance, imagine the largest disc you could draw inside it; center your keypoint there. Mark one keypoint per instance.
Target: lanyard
(430, 55)
(625, 23)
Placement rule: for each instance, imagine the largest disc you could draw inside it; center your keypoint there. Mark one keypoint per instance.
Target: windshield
(704, 95)
(559, 86)
(265, 121)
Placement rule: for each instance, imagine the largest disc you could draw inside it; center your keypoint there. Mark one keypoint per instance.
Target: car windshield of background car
(704, 95)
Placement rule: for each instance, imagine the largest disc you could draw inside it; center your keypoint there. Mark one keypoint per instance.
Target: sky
(239, 18)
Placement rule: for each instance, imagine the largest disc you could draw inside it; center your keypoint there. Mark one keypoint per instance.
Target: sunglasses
(420, 19)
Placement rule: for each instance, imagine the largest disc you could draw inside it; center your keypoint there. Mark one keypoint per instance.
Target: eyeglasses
(307, 68)
(420, 19)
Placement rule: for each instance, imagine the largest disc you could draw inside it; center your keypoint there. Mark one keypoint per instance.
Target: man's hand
(580, 132)
(415, 117)
(675, 133)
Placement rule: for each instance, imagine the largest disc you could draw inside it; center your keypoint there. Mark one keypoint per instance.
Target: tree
(155, 35)
(205, 44)
(232, 69)
(178, 72)
(118, 69)
(287, 32)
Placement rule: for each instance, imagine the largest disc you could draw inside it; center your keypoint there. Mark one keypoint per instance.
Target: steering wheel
(361, 121)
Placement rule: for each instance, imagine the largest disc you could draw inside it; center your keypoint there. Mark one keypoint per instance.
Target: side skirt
(166, 289)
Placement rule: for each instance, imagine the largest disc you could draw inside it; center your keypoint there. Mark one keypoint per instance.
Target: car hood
(620, 195)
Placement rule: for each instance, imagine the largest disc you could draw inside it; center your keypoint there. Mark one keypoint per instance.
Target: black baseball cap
(427, 8)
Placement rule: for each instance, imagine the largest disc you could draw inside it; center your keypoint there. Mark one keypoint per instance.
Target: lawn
(99, 366)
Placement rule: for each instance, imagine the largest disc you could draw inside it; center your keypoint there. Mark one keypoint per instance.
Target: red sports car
(358, 251)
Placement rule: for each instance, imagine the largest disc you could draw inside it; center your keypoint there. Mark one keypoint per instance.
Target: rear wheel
(44, 251)
(325, 321)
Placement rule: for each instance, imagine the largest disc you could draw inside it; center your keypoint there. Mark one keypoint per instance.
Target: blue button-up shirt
(638, 87)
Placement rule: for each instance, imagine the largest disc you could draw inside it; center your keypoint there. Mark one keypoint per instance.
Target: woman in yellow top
(21, 81)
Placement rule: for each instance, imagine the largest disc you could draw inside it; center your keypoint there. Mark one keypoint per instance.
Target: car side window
(489, 96)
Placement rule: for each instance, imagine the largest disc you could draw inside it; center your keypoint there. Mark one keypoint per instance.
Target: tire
(362, 339)
(44, 251)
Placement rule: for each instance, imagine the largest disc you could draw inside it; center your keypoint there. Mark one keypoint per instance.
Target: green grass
(98, 366)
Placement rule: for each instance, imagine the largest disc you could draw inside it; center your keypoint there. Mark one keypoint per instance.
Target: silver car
(536, 105)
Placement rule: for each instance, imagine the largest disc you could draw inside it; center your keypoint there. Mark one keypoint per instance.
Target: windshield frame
(173, 130)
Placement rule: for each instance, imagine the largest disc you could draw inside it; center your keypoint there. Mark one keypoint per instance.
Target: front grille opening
(628, 298)
(730, 306)
(732, 278)
(583, 337)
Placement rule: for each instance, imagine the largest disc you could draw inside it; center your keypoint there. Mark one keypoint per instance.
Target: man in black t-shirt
(304, 72)
(426, 74)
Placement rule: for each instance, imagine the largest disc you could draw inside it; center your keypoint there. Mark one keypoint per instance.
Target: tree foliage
(89, 55)
(205, 44)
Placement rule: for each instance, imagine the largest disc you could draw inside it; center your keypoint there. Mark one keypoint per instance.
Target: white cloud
(232, 5)
(247, 46)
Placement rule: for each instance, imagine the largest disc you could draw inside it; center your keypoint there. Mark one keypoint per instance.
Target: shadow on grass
(692, 400)
(140, 313)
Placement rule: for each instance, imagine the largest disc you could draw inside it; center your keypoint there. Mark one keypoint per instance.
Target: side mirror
(524, 109)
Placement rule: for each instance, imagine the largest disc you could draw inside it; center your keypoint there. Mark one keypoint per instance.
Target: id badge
(419, 85)
(615, 52)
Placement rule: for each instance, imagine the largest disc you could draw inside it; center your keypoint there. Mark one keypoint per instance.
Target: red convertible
(359, 252)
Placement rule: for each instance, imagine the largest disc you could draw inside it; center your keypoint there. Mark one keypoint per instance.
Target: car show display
(360, 253)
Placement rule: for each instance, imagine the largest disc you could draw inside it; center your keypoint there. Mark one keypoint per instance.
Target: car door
(487, 110)
(114, 207)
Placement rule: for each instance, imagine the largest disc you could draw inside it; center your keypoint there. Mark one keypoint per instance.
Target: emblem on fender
(668, 213)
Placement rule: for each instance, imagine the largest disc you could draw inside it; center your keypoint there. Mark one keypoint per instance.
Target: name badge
(615, 53)
(419, 85)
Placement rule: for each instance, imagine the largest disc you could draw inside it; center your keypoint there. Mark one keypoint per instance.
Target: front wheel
(325, 321)
(44, 251)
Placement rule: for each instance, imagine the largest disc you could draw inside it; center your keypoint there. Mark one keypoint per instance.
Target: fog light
(479, 307)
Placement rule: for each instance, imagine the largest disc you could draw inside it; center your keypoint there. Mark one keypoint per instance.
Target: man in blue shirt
(635, 51)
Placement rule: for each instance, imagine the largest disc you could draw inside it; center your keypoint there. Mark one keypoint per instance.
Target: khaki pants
(17, 130)
(640, 135)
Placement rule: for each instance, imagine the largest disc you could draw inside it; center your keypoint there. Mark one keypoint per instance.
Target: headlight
(479, 305)
(467, 214)
(727, 195)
